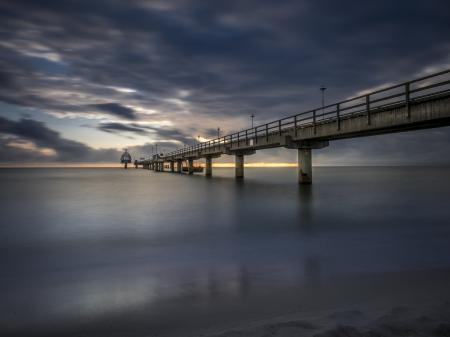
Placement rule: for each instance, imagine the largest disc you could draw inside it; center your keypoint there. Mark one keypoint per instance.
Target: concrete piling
(239, 166)
(191, 166)
(304, 166)
(208, 168)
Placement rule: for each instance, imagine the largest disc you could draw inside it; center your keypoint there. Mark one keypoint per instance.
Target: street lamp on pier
(322, 89)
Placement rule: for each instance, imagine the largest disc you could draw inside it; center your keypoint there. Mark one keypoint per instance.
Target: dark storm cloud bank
(28, 131)
(235, 57)
(224, 59)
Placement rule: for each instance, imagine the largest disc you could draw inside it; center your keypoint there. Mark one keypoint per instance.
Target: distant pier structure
(421, 103)
(125, 158)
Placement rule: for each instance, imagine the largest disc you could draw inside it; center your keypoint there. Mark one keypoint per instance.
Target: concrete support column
(172, 166)
(239, 167)
(179, 166)
(191, 166)
(208, 168)
(162, 167)
(304, 166)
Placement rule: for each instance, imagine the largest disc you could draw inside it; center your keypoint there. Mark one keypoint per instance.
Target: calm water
(103, 252)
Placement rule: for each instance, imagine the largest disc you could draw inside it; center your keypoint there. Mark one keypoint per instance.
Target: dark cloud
(169, 136)
(6, 80)
(26, 131)
(199, 63)
(118, 127)
(116, 109)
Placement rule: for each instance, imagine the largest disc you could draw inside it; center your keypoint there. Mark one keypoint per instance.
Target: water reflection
(180, 249)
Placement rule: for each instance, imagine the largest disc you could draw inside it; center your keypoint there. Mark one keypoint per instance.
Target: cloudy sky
(81, 80)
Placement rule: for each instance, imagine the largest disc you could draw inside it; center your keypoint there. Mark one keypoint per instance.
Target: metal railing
(403, 94)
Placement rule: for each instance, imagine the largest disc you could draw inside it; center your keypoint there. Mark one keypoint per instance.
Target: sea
(114, 252)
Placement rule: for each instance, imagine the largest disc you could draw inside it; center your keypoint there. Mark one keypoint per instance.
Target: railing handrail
(267, 126)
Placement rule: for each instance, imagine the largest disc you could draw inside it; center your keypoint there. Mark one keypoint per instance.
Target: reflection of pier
(418, 104)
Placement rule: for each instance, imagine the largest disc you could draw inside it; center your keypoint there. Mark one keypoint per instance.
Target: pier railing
(403, 94)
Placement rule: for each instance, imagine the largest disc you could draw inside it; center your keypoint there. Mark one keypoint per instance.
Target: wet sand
(393, 304)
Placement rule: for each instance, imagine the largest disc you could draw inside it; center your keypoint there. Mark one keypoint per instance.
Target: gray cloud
(116, 109)
(118, 127)
(172, 138)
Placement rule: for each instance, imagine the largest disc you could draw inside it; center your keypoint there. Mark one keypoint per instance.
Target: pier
(417, 104)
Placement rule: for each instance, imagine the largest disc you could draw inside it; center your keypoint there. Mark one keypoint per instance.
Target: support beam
(179, 166)
(239, 167)
(304, 166)
(191, 166)
(208, 168)
(172, 166)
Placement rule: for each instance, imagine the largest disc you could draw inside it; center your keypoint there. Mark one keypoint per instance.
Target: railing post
(256, 135)
(246, 137)
(267, 133)
(295, 125)
(338, 113)
(314, 120)
(407, 97)
(279, 127)
(368, 109)
(238, 138)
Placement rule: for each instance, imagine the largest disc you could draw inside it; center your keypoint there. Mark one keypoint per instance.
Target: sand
(398, 321)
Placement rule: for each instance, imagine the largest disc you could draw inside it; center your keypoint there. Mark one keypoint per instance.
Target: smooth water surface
(112, 252)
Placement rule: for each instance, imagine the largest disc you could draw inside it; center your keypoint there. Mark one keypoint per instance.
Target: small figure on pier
(125, 158)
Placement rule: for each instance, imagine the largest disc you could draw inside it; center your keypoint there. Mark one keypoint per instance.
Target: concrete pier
(304, 166)
(172, 166)
(208, 166)
(179, 166)
(375, 113)
(239, 166)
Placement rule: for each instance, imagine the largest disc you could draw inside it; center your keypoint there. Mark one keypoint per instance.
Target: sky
(81, 80)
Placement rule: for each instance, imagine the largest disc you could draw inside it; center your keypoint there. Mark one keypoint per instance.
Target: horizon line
(215, 165)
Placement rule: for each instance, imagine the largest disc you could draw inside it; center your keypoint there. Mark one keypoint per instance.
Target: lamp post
(218, 132)
(252, 116)
(322, 89)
